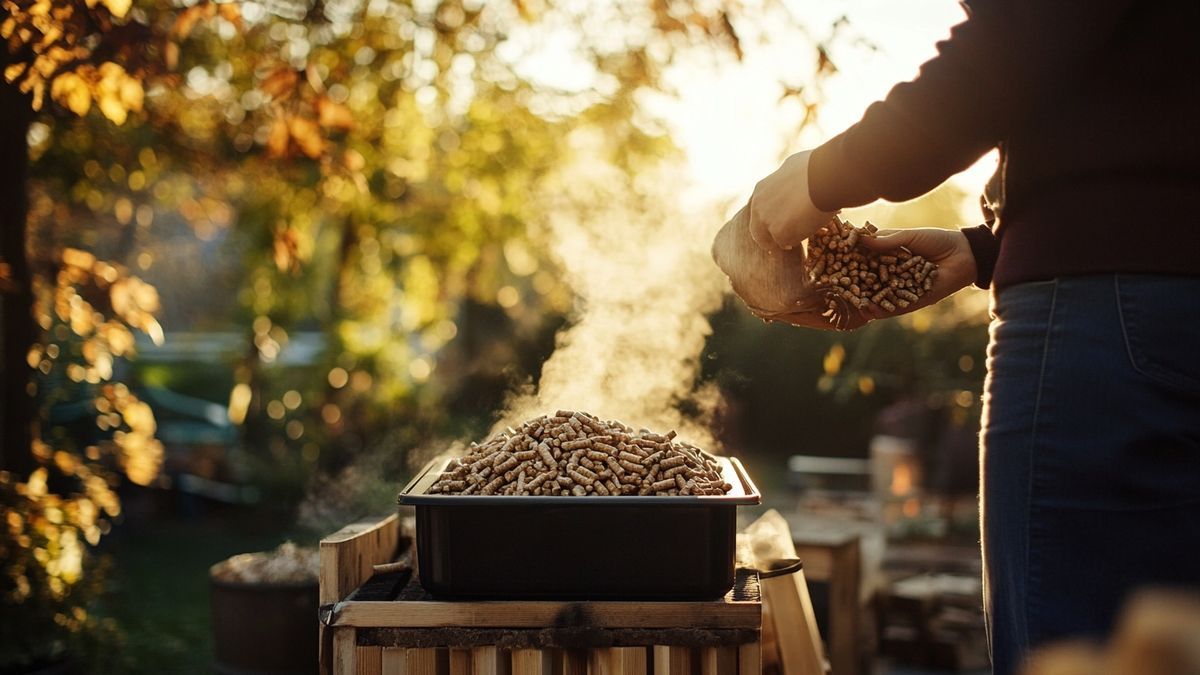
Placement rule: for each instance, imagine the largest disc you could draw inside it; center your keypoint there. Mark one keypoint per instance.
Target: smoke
(640, 268)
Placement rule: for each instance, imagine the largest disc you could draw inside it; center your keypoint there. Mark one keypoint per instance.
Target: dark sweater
(1095, 107)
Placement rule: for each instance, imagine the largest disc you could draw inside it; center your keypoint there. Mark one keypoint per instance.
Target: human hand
(781, 213)
(947, 248)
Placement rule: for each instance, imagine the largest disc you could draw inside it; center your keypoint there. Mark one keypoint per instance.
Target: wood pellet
(572, 453)
(853, 277)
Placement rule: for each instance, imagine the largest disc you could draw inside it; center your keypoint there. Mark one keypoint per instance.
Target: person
(1090, 440)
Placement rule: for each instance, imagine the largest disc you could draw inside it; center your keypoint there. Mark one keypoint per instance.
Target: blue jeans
(1090, 467)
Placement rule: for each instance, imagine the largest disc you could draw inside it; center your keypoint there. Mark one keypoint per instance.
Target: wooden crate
(385, 624)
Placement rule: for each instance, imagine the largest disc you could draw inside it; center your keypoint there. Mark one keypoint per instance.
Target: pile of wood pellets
(852, 276)
(574, 453)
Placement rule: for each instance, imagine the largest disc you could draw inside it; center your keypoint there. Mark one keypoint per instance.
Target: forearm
(992, 70)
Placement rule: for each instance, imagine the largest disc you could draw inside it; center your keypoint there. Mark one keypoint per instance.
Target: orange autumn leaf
(333, 115)
(307, 136)
(277, 140)
(280, 83)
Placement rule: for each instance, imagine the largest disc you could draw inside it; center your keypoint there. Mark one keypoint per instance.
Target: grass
(159, 587)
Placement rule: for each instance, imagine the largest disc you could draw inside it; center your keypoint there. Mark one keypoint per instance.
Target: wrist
(984, 248)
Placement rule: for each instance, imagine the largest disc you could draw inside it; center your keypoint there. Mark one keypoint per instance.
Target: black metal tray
(629, 547)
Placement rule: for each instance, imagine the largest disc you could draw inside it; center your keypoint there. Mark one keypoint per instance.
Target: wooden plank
(618, 661)
(574, 662)
(718, 661)
(428, 661)
(460, 662)
(533, 661)
(671, 660)
(750, 659)
(368, 660)
(394, 661)
(344, 652)
(348, 555)
(554, 638)
(489, 661)
(539, 614)
(795, 626)
(844, 609)
(629, 660)
(769, 650)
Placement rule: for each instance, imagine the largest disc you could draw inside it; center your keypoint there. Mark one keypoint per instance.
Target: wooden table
(386, 624)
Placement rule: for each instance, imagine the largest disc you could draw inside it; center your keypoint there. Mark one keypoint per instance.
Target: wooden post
(345, 654)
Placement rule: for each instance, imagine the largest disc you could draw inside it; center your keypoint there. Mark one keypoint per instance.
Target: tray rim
(410, 497)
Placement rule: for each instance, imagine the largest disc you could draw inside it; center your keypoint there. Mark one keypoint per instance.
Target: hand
(781, 213)
(948, 248)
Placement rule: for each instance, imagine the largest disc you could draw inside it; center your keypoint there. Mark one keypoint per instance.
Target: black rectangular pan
(610, 547)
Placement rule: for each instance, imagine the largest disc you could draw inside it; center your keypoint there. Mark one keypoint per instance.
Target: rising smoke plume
(639, 266)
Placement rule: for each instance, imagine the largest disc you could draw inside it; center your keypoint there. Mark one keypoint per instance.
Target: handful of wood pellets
(852, 277)
(574, 453)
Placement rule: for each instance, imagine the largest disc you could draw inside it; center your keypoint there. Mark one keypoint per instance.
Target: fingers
(759, 231)
(785, 237)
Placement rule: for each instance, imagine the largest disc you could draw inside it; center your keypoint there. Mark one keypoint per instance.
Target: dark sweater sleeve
(987, 74)
(985, 248)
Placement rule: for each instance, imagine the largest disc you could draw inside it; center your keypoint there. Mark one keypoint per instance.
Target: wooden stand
(385, 624)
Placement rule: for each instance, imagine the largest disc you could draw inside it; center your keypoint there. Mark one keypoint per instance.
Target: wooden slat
(533, 661)
(368, 660)
(671, 660)
(344, 652)
(538, 614)
(489, 661)
(617, 661)
(628, 660)
(844, 608)
(428, 661)
(574, 662)
(347, 556)
(460, 662)
(795, 625)
(749, 659)
(718, 661)
(395, 661)
(769, 648)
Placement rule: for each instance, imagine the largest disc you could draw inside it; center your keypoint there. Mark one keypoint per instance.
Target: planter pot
(264, 629)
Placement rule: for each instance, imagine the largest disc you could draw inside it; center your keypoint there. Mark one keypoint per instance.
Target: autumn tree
(378, 157)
